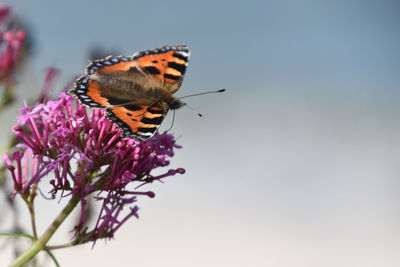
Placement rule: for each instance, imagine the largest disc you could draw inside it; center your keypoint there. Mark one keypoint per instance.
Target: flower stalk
(40, 244)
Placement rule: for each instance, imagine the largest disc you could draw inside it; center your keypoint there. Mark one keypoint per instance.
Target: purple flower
(11, 46)
(87, 158)
(51, 74)
(4, 11)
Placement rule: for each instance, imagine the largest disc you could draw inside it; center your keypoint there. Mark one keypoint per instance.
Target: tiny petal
(8, 162)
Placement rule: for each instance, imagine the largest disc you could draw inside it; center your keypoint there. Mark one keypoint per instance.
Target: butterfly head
(174, 103)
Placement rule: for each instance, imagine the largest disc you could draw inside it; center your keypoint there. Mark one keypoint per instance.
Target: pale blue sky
(253, 44)
(297, 164)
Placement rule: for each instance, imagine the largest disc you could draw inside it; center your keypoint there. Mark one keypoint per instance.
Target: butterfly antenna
(210, 92)
(192, 109)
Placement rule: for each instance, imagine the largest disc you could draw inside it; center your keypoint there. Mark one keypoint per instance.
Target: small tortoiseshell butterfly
(136, 92)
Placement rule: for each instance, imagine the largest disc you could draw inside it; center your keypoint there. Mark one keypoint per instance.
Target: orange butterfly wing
(167, 64)
(137, 121)
(90, 91)
(162, 67)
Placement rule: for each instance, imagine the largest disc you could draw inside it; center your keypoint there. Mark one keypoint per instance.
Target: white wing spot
(183, 53)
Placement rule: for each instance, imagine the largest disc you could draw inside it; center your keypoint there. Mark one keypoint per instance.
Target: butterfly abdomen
(128, 89)
(117, 83)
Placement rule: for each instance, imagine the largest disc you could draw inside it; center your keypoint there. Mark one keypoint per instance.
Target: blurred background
(297, 164)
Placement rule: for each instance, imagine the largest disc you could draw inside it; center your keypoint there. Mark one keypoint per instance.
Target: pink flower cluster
(85, 156)
(11, 46)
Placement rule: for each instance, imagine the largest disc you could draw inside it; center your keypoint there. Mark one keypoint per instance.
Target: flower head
(11, 46)
(86, 157)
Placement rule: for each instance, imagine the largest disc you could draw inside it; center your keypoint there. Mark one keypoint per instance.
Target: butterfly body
(136, 92)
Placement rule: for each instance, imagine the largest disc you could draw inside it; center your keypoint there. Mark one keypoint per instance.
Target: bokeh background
(297, 164)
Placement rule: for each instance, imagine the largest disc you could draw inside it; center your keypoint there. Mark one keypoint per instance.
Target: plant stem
(40, 244)
(33, 221)
(70, 244)
(31, 206)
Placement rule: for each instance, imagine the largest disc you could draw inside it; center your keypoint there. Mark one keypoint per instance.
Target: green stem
(33, 221)
(66, 245)
(40, 244)
(17, 235)
(31, 207)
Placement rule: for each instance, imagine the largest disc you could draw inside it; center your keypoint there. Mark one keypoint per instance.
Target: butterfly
(136, 92)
